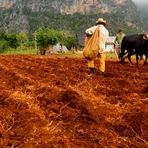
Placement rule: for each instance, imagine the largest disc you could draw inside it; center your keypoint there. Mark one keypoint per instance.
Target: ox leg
(137, 59)
(129, 58)
(141, 57)
(146, 56)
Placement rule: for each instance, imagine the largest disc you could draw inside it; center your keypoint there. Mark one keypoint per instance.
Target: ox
(134, 44)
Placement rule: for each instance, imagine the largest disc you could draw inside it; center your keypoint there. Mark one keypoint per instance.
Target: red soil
(51, 102)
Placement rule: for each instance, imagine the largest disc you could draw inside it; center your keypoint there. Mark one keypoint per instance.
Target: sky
(141, 4)
(140, 1)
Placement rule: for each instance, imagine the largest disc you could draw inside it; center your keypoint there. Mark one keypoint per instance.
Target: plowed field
(50, 102)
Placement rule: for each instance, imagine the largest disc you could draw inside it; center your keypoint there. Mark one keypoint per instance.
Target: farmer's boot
(92, 72)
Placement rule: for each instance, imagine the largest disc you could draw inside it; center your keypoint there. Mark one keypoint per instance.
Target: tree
(45, 37)
(71, 41)
(22, 37)
(12, 40)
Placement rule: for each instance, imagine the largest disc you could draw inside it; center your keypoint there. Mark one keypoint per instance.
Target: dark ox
(134, 44)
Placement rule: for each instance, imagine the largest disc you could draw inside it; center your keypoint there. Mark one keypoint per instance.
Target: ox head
(145, 37)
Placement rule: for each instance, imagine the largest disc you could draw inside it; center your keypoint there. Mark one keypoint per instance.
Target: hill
(51, 102)
(73, 16)
(142, 8)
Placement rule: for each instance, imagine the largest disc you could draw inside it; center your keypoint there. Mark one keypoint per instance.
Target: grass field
(18, 51)
(64, 54)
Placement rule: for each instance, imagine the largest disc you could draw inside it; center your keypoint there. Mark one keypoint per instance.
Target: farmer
(118, 40)
(95, 41)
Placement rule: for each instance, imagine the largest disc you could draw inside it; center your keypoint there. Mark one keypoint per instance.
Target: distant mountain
(69, 15)
(142, 6)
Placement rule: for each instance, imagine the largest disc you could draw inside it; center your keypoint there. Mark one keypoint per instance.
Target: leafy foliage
(12, 40)
(77, 23)
(3, 45)
(42, 38)
(71, 41)
(46, 37)
(74, 24)
(22, 37)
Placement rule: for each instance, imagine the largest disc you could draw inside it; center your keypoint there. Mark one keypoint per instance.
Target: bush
(46, 37)
(3, 46)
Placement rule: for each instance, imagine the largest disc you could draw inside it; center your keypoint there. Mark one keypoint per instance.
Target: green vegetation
(76, 23)
(109, 55)
(20, 51)
(46, 28)
(46, 37)
(41, 39)
(12, 40)
(52, 27)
